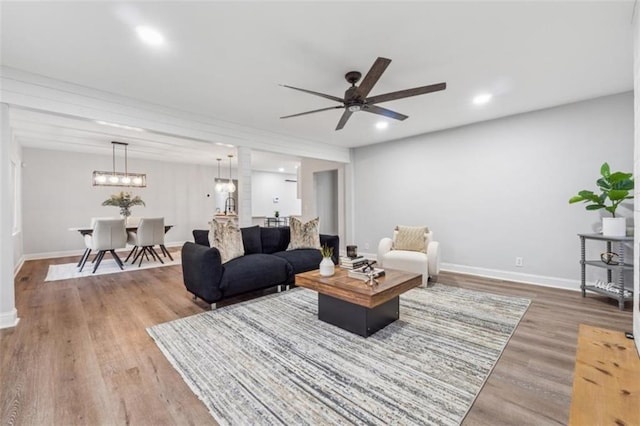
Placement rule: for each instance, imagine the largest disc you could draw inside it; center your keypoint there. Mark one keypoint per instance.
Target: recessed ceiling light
(482, 98)
(150, 36)
(281, 169)
(382, 125)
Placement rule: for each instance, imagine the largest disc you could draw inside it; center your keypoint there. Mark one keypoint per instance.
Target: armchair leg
(165, 251)
(84, 258)
(117, 259)
(214, 306)
(98, 259)
(155, 254)
(131, 253)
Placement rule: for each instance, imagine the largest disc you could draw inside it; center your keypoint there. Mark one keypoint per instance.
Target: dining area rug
(67, 271)
(271, 361)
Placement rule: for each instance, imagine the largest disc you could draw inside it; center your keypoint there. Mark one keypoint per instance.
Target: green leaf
(618, 194)
(612, 210)
(618, 177)
(595, 207)
(576, 199)
(603, 183)
(604, 170)
(588, 195)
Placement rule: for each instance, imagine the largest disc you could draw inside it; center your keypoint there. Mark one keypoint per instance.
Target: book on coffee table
(352, 263)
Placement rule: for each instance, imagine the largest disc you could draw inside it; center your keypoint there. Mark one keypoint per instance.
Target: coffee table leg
(355, 318)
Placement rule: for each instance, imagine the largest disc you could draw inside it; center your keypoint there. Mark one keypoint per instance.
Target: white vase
(614, 226)
(327, 268)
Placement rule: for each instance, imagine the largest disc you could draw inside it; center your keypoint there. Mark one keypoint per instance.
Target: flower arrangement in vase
(124, 201)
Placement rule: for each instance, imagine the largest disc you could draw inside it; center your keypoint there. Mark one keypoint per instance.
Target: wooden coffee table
(353, 305)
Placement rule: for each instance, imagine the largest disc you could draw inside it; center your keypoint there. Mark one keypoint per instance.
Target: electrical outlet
(366, 245)
(519, 262)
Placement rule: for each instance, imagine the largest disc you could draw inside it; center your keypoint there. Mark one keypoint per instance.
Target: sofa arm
(201, 236)
(332, 241)
(202, 271)
(384, 247)
(433, 258)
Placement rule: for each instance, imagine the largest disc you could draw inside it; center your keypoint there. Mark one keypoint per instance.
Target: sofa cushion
(304, 235)
(227, 238)
(251, 240)
(254, 272)
(201, 237)
(274, 239)
(410, 238)
(301, 260)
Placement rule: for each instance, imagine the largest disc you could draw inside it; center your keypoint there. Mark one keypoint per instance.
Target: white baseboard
(18, 266)
(68, 253)
(9, 319)
(517, 277)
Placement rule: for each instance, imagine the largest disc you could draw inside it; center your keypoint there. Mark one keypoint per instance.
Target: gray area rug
(271, 361)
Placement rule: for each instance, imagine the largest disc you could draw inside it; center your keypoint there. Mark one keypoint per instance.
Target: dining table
(88, 230)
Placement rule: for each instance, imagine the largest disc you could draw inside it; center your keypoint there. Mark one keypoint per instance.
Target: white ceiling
(225, 60)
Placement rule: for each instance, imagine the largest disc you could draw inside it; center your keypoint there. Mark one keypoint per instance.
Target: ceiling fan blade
(315, 110)
(343, 119)
(406, 93)
(372, 77)
(322, 95)
(383, 111)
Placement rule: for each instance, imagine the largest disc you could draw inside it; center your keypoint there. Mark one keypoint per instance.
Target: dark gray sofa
(266, 263)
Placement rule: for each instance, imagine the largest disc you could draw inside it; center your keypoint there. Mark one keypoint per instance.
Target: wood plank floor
(81, 355)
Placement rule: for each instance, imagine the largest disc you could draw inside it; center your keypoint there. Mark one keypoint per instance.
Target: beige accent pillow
(304, 235)
(410, 238)
(227, 238)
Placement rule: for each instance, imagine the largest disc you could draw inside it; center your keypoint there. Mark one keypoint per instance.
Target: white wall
(308, 167)
(498, 189)
(265, 186)
(57, 195)
(326, 189)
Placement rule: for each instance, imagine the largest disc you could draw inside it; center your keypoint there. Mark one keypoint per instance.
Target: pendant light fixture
(220, 186)
(113, 178)
(230, 186)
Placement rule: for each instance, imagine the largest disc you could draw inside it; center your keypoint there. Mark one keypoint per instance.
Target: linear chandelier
(113, 178)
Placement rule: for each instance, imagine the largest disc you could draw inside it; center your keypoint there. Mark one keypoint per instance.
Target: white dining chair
(149, 233)
(107, 236)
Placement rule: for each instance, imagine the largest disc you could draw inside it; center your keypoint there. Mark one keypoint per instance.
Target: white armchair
(427, 264)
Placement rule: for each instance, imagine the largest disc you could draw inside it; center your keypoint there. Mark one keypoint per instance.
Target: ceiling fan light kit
(355, 97)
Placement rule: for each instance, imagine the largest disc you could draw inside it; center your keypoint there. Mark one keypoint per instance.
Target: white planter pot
(614, 226)
(327, 268)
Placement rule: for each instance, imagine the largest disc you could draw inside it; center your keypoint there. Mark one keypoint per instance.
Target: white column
(244, 187)
(8, 312)
(636, 233)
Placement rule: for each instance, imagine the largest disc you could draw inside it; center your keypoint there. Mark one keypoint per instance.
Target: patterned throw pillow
(304, 235)
(410, 238)
(227, 238)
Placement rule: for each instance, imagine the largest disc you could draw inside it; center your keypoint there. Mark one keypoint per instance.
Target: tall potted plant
(614, 189)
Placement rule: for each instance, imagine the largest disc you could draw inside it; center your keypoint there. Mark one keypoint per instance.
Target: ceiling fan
(355, 97)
